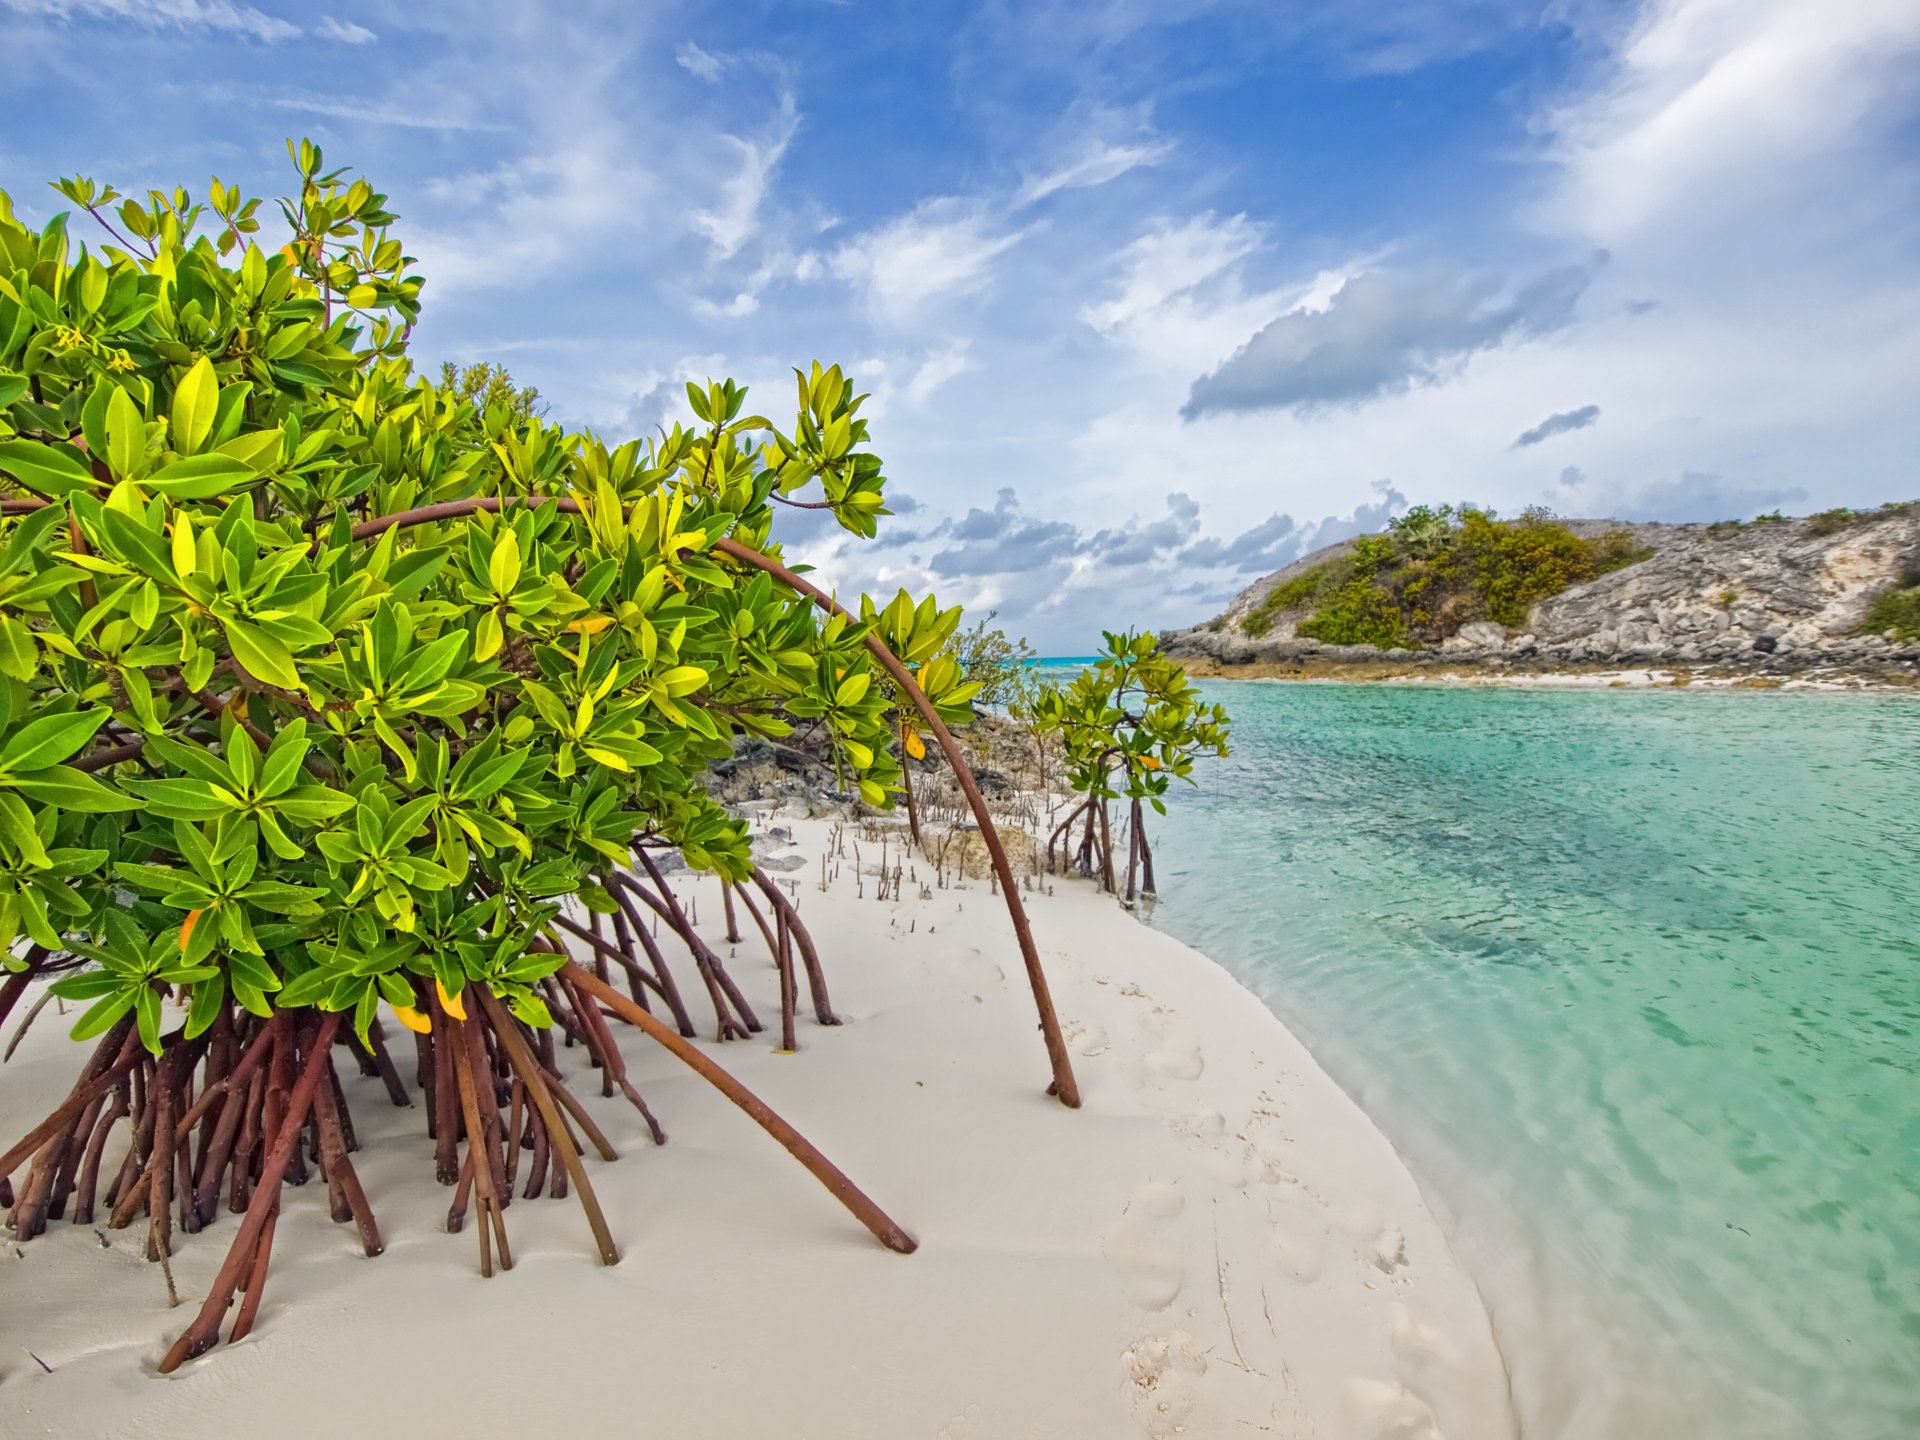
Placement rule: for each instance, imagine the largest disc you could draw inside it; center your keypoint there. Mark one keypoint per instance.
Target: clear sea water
(1632, 979)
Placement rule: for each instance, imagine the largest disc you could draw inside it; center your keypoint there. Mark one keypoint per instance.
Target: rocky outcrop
(1774, 598)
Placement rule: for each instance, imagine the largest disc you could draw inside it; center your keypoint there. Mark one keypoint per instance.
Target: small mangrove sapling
(1128, 726)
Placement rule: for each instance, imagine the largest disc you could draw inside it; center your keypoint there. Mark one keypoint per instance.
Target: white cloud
(702, 64)
(406, 116)
(213, 15)
(345, 31)
(1096, 164)
(936, 370)
(1381, 334)
(1171, 258)
(1714, 113)
(944, 247)
(732, 222)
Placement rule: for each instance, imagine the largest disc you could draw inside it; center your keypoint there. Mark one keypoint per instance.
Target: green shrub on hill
(1438, 569)
(1895, 613)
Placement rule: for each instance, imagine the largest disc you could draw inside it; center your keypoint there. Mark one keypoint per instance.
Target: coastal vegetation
(330, 694)
(1128, 727)
(1895, 612)
(1437, 569)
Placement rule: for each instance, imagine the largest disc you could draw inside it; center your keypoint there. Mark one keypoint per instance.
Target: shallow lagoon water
(1633, 980)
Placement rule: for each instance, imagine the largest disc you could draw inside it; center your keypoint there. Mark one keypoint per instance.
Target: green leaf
(263, 656)
(65, 788)
(195, 401)
(205, 1009)
(54, 470)
(200, 477)
(282, 765)
(47, 741)
(12, 387)
(179, 799)
(101, 1017)
(311, 804)
(126, 435)
(19, 656)
(146, 1002)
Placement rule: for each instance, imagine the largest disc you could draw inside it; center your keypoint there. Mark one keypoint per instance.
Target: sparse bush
(995, 661)
(1894, 613)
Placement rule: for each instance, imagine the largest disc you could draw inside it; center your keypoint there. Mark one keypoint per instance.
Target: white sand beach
(1219, 1244)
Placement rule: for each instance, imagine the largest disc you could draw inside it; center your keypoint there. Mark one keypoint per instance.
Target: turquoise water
(1633, 980)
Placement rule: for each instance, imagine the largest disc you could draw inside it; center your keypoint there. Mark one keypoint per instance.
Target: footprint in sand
(1388, 1250)
(1382, 1410)
(1177, 1060)
(1087, 1040)
(1149, 1272)
(1150, 1275)
(964, 1426)
(1300, 1234)
(1166, 1386)
(1425, 1359)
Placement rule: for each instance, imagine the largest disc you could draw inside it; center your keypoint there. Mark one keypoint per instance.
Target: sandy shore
(1890, 678)
(1220, 1244)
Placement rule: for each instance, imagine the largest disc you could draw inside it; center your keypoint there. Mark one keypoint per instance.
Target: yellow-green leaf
(196, 400)
(503, 568)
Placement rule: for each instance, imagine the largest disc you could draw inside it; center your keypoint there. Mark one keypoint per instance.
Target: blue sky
(1151, 297)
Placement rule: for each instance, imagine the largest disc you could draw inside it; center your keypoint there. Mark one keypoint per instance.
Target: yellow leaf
(186, 928)
(450, 1003)
(590, 625)
(915, 746)
(1149, 762)
(183, 548)
(412, 1019)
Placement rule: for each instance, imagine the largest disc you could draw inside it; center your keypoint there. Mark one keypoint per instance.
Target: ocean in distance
(1632, 978)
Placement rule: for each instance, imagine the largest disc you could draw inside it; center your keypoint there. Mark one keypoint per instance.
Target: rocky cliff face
(1774, 598)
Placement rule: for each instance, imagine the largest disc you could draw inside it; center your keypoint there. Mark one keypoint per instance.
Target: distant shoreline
(1600, 676)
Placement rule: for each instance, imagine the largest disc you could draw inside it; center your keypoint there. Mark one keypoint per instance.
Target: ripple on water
(1633, 979)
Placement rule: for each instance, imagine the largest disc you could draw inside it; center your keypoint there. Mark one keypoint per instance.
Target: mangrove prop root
(1064, 1085)
(810, 957)
(204, 1333)
(529, 1071)
(720, 987)
(797, 1145)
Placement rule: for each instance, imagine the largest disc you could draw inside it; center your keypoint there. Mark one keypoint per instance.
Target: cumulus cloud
(1136, 543)
(1005, 541)
(1558, 423)
(1054, 580)
(1383, 333)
